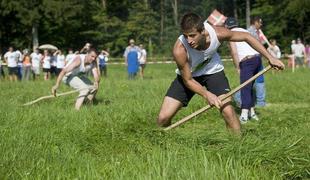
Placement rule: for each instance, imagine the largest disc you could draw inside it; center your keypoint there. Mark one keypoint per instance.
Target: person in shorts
(200, 70)
(73, 74)
(11, 60)
(36, 57)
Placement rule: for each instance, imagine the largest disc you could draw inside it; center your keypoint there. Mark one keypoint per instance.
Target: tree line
(109, 24)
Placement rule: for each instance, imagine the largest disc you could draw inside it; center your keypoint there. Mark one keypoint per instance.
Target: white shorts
(81, 83)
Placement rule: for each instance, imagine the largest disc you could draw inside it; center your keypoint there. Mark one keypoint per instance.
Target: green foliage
(69, 24)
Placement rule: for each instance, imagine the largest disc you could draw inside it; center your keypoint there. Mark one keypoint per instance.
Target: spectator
(131, 59)
(46, 64)
(53, 69)
(36, 57)
(26, 65)
(11, 60)
(142, 60)
(102, 59)
(273, 49)
(299, 53)
(70, 56)
(19, 59)
(60, 61)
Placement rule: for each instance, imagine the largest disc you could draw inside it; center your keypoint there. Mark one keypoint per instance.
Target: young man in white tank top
(72, 74)
(199, 65)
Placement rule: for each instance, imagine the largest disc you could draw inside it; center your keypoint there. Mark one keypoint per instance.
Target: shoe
(243, 120)
(254, 116)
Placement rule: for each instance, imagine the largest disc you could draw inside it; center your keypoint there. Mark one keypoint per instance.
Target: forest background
(155, 23)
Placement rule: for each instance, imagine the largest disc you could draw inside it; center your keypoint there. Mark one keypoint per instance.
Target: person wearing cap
(200, 70)
(247, 62)
(131, 59)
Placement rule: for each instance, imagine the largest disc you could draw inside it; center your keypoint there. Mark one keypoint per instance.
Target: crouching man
(74, 76)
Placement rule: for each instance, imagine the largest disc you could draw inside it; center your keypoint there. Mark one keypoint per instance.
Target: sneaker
(254, 116)
(243, 120)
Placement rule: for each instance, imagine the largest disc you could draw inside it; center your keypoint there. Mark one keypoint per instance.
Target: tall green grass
(117, 138)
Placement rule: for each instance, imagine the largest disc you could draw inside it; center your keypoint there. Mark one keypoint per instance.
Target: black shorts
(215, 83)
(13, 70)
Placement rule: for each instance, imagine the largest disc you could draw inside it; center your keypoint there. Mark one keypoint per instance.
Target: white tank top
(206, 61)
(81, 69)
(243, 48)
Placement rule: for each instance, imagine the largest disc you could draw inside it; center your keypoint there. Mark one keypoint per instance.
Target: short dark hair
(190, 21)
(255, 19)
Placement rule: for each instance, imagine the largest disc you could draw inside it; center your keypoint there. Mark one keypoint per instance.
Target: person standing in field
(102, 59)
(36, 57)
(11, 60)
(131, 59)
(69, 57)
(200, 70)
(46, 64)
(26, 65)
(259, 85)
(299, 52)
(142, 60)
(247, 63)
(274, 49)
(19, 59)
(74, 75)
(60, 61)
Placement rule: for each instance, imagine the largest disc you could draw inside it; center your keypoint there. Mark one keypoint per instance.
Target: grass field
(117, 138)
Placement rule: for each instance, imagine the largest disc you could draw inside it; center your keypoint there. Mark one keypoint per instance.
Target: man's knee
(163, 120)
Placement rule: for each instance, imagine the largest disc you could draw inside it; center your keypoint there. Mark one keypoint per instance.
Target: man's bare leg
(79, 101)
(168, 109)
(230, 116)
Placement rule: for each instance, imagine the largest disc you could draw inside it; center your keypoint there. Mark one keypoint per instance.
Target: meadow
(117, 137)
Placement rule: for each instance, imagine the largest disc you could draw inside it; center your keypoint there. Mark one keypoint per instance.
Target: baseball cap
(231, 23)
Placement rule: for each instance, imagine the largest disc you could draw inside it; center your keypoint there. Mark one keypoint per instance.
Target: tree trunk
(104, 4)
(35, 37)
(174, 4)
(247, 13)
(235, 10)
(162, 20)
(146, 3)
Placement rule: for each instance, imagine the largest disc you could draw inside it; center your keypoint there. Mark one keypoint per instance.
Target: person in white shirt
(142, 60)
(274, 49)
(247, 62)
(36, 57)
(10, 59)
(200, 70)
(19, 58)
(60, 61)
(46, 64)
(70, 56)
(299, 52)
